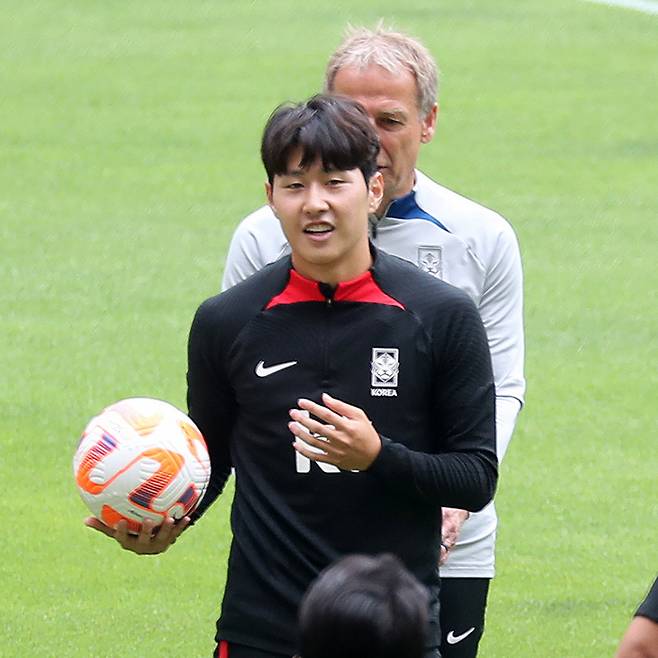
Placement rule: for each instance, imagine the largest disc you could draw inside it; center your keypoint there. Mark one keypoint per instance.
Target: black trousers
(462, 612)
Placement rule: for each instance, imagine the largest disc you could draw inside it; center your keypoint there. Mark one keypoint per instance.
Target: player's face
(324, 215)
(392, 104)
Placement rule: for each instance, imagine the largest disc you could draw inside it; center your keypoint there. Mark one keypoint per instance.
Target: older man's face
(391, 100)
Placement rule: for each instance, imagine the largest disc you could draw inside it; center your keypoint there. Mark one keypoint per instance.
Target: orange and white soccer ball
(139, 459)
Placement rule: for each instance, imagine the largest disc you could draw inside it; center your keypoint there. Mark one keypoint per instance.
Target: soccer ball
(141, 459)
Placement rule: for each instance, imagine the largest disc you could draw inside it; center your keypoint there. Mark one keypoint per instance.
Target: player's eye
(390, 122)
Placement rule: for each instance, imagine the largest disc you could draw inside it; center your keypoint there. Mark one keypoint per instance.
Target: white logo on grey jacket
(429, 260)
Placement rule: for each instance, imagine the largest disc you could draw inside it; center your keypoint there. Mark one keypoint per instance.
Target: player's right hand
(148, 541)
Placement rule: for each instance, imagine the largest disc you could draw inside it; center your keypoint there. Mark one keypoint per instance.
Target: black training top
(410, 351)
(649, 607)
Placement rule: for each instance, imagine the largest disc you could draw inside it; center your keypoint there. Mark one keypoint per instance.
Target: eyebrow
(396, 113)
(300, 172)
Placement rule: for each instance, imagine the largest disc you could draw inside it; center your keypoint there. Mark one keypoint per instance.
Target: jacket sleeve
(501, 310)
(649, 607)
(210, 400)
(463, 470)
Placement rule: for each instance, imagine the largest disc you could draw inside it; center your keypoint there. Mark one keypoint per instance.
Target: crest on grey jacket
(429, 260)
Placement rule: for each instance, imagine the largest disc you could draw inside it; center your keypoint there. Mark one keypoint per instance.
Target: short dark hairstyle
(334, 129)
(364, 607)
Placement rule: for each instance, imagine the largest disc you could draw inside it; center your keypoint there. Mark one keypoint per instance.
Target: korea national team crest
(429, 260)
(384, 369)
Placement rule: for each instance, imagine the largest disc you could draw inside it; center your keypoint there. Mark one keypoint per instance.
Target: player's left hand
(350, 440)
(149, 541)
(453, 520)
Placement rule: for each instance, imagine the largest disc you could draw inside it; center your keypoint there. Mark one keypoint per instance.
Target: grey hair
(362, 47)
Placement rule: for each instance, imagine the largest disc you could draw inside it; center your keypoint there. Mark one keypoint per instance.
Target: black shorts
(462, 612)
(224, 650)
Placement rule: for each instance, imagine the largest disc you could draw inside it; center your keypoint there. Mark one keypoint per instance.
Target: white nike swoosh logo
(453, 639)
(263, 371)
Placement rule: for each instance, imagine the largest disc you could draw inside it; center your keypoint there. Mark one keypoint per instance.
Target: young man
(351, 393)
(364, 607)
(452, 238)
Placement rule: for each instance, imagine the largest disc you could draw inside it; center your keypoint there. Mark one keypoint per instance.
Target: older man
(395, 79)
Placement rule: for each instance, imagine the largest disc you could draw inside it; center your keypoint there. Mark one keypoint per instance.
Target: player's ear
(268, 194)
(375, 191)
(428, 124)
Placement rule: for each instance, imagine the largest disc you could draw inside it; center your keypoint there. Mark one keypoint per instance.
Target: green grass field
(129, 151)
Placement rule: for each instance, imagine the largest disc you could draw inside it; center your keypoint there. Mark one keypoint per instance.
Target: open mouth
(319, 229)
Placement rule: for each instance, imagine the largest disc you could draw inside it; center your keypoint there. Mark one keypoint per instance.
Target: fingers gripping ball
(141, 459)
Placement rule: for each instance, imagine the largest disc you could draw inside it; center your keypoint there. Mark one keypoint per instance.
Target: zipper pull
(327, 291)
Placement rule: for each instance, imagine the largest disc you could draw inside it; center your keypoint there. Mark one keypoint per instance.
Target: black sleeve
(464, 471)
(649, 607)
(210, 400)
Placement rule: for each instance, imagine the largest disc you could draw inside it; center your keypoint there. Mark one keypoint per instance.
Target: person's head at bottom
(364, 607)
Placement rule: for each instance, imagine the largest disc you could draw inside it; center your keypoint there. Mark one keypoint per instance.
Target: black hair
(364, 607)
(334, 129)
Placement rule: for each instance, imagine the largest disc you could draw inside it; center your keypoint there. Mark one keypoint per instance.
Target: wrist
(376, 450)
